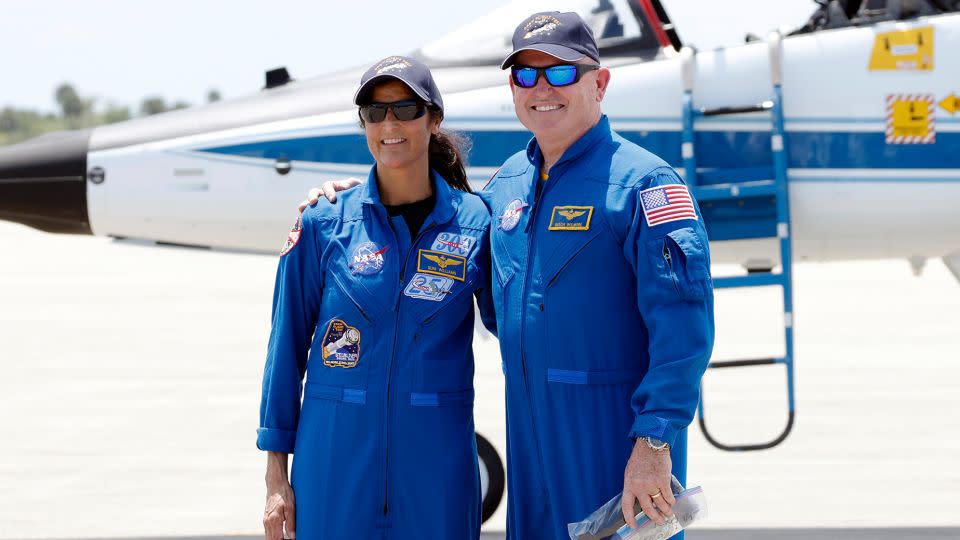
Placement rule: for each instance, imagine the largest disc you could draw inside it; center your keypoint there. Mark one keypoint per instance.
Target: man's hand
(329, 190)
(647, 479)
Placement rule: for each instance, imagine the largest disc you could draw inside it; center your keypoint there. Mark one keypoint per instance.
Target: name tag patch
(341, 345)
(453, 244)
(570, 218)
(442, 264)
(428, 287)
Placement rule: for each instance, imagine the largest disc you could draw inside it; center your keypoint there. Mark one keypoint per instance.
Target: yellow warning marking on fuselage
(903, 50)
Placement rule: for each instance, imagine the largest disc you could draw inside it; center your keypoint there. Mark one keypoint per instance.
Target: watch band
(656, 444)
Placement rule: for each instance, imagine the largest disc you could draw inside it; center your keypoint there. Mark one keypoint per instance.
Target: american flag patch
(664, 204)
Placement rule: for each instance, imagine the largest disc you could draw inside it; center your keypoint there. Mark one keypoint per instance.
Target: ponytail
(446, 157)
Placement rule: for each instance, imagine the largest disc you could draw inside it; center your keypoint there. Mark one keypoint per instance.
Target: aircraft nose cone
(43, 182)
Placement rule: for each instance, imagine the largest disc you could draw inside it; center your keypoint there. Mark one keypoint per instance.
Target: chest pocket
(344, 345)
(565, 250)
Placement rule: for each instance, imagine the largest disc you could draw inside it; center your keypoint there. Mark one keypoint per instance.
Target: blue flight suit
(381, 325)
(604, 306)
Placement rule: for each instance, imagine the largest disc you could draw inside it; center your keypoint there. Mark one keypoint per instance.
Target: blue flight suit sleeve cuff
(276, 440)
(648, 425)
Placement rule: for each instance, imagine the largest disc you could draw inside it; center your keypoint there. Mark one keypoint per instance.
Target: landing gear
(492, 477)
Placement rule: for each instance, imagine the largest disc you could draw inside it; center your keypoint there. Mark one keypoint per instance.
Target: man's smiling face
(557, 112)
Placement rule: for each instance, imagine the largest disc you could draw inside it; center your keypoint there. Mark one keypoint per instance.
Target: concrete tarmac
(130, 386)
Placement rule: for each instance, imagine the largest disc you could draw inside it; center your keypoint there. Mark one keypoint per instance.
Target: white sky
(124, 50)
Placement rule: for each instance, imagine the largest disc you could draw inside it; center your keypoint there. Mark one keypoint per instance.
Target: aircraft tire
(491, 469)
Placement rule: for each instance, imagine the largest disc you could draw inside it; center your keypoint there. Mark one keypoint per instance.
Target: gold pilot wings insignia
(442, 264)
(570, 218)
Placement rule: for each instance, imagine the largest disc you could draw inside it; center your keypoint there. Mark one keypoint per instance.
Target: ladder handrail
(779, 190)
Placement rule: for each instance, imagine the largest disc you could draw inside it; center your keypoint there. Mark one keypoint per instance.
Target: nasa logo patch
(293, 237)
(341, 345)
(428, 287)
(453, 244)
(367, 259)
(511, 214)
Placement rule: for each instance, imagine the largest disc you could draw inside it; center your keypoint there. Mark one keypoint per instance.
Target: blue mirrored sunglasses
(558, 75)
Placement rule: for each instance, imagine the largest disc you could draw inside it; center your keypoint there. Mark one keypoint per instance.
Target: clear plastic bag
(607, 523)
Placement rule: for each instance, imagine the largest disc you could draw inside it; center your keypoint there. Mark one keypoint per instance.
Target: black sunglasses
(558, 75)
(406, 110)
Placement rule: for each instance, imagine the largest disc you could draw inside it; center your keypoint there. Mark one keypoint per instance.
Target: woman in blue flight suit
(373, 307)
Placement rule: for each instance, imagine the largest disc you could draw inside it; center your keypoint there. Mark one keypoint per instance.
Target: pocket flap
(696, 256)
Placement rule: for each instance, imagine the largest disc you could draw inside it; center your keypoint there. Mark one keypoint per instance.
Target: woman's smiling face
(395, 143)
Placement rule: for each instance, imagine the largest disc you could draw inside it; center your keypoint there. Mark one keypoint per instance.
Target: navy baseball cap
(563, 35)
(409, 71)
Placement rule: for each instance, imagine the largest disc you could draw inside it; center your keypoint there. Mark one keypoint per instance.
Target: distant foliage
(78, 112)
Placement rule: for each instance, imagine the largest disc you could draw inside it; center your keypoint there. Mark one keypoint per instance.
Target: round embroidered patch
(367, 259)
(511, 214)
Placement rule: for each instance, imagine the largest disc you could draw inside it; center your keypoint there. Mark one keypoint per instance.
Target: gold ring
(657, 494)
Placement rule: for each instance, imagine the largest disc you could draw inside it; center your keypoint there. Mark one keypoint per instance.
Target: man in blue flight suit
(603, 296)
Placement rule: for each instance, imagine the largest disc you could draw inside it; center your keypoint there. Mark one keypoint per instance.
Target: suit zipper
(523, 322)
(396, 330)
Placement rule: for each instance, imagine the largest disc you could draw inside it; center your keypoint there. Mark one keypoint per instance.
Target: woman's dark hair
(445, 153)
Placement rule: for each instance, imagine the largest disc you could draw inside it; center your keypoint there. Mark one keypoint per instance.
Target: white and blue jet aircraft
(836, 141)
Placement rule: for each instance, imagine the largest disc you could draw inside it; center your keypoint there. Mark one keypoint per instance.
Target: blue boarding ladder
(739, 209)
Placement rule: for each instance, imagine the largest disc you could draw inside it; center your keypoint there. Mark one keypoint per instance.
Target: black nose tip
(43, 182)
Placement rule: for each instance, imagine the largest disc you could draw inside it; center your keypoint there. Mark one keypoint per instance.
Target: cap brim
(366, 88)
(557, 51)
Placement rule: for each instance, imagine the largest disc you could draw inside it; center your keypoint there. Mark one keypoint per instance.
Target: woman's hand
(281, 510)
(329, 190)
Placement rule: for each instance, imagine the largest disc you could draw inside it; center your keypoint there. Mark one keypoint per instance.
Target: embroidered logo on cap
(540, 25)
(428, 287)
(394, 63)
(511, 214)
(570, 218)
(441, 264)
(293, 237)
(367, 259)
(341, 345)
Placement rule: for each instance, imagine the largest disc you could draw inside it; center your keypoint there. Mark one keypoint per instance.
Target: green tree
(213, 95)
(152, 105)
(115, 113)
(71, 105)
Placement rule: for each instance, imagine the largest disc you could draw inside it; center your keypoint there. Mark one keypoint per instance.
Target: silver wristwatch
(656, 444)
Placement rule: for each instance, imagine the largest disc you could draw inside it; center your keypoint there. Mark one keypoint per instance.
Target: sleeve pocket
(686, 262)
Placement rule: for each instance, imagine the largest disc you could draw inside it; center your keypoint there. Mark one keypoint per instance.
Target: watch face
(656, 444)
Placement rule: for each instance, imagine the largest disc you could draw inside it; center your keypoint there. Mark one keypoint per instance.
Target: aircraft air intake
(43, 182)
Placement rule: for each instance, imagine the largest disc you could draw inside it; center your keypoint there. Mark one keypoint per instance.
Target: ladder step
(760, 279)
(720, 111)
(744, 363)
(756, 188)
